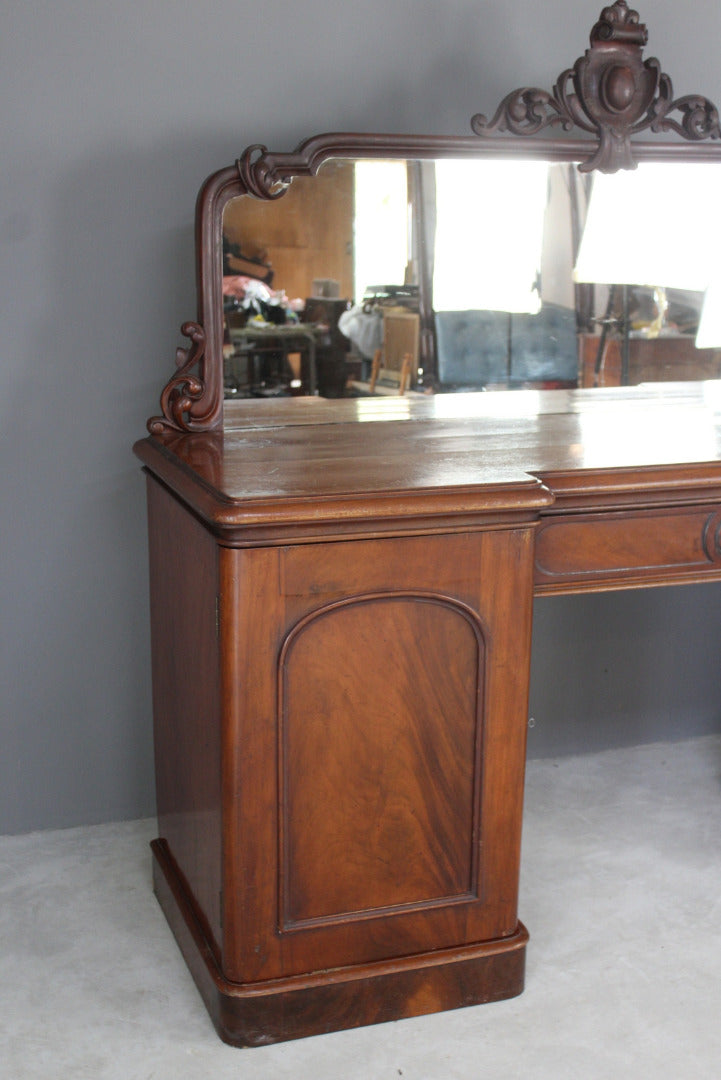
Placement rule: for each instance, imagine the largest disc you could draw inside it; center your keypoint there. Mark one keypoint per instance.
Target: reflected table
(253, 341)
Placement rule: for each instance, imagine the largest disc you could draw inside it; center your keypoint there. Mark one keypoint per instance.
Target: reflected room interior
(437, 276)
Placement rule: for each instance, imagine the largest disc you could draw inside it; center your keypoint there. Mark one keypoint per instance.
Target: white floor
(621, 892)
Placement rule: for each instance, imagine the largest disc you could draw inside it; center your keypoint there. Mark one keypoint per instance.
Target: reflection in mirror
(279, 256)
(651, 290)
(414, 277)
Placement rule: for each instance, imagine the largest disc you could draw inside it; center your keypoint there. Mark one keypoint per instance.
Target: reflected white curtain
(380, 224)
(654, 226)
(489, 258)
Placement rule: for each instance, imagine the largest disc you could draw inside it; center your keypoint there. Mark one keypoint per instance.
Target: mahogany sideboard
(342, 591)
(341, 605)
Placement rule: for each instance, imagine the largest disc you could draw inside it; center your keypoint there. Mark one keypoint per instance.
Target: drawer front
(584, 552)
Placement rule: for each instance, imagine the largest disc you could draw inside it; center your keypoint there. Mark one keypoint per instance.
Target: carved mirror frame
(611, 94)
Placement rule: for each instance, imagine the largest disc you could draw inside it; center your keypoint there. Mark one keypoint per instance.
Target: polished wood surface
(345, 675)
(651, 442)
(598, 551)
(341, 614)
(341, 601)
(661, 359)
(354, 748)
(183, 590)
(255, 1014)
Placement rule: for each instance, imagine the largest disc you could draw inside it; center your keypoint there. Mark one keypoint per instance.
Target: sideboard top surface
(468, 446)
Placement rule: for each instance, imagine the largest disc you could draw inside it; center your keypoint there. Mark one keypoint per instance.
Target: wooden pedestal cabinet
(341, 591)
(340, 741)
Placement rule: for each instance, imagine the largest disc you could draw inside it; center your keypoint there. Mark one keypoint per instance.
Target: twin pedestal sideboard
(341, 602)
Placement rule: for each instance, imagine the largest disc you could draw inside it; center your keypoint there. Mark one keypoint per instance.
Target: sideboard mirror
(519, 256)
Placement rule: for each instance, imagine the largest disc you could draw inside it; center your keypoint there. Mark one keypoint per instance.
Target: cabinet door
(374, 730)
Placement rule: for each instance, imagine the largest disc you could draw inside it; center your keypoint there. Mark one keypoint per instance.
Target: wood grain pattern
(598, 551)
(341, 779)
(256, 1014)
(341, 607)
(267, 593)
(183, 590)
(464, 444)
(651, 360)
(380, 736)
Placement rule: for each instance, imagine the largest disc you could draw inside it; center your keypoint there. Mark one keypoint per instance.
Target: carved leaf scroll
(184, 388)
(257, 176)
(612, 93)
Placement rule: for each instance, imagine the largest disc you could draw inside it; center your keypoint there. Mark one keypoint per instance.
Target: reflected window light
(380, 240)
(489, 260)
(523, 404)
(380, 409)
(712, 394)
(674, 244)
(709, 328)
(642, 440)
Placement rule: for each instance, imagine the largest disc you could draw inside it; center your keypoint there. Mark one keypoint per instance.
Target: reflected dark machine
(332, 353)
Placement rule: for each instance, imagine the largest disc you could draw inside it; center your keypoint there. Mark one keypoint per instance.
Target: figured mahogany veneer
(590, 551)
(341, 599)
(341, 615)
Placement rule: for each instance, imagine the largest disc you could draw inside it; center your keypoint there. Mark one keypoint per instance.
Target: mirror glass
(418, 277)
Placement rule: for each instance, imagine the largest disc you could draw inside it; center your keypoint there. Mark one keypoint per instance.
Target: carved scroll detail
(256, 175)
(184, 388)
(699, 120)
(611, 92)
(529, 110)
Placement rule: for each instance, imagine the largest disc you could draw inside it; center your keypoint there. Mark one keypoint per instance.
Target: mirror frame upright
(611, 94)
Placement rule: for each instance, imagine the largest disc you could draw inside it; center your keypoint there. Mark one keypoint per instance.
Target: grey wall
(113, 114)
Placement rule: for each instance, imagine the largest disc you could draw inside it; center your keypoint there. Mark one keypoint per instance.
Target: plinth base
(256, 1014)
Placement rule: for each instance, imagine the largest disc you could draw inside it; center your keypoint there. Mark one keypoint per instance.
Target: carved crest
(612, 92)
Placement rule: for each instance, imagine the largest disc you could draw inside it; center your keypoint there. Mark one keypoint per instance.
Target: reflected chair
(396, 362)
